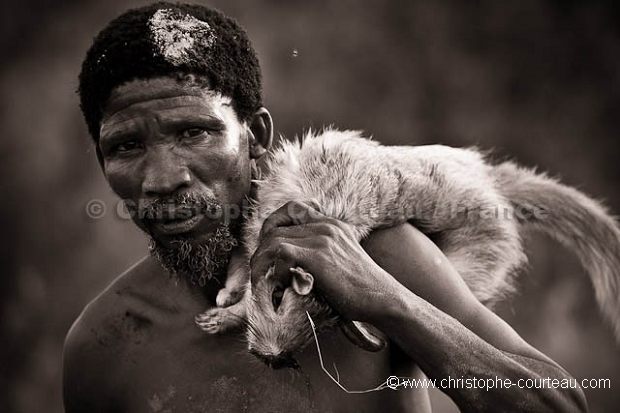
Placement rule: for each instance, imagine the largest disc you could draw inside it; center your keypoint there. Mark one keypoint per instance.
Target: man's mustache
(180, 206)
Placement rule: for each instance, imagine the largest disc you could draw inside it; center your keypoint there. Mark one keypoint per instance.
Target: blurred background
(535, 80)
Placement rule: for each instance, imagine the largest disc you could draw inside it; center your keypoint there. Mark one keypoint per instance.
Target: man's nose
(165, 173)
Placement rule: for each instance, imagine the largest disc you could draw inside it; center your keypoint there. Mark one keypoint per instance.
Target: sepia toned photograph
(326, 206)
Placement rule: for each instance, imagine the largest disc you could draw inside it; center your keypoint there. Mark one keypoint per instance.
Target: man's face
(178, 156)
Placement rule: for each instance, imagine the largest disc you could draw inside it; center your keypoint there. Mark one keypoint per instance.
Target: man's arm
(466, 339)
(424, 307)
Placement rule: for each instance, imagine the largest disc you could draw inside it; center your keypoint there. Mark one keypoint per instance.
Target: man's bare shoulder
(108, 303)
(97, 341)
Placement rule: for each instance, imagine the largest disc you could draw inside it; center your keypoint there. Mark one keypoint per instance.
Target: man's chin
(194, 258)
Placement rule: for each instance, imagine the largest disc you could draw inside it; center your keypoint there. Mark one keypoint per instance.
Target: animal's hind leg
(486, 256)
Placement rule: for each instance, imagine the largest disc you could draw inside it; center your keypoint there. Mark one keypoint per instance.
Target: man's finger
(283, 256)
(288, 257)
(300, 231)
(261, 261)
(291, 213)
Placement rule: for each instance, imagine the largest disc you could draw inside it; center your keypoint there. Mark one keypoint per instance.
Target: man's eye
(193, 133)
(126, 147)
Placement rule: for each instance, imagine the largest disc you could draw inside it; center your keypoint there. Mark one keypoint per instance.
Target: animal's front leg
(219, 320)
(230, 312)
(236, 280)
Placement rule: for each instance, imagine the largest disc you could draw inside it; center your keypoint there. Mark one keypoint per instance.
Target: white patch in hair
(176, 35)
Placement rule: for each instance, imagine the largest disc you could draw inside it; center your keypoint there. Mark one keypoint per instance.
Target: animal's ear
(302, 281)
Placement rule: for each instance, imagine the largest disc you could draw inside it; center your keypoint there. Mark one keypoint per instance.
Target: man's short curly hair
(168, 39)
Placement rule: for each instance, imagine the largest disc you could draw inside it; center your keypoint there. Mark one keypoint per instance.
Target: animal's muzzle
(277, 361)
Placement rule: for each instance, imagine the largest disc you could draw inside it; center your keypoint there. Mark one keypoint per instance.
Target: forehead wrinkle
(181, 113)
(126, 107)
(165, 110)
(112, 126)
(129, 108)
(129, 127)
(140, 90)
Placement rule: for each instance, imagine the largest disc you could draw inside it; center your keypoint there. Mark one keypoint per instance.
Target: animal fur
(476, 212)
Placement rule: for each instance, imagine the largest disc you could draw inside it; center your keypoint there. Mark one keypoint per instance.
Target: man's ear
(302, 281)
(261, 126)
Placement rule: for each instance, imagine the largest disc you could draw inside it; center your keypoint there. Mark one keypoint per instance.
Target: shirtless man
(172, 98)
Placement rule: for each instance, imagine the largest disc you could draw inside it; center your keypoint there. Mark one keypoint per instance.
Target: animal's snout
(277, 362)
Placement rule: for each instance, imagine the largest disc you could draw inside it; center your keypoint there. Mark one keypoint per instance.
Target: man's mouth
(178, 215)
(178, 225)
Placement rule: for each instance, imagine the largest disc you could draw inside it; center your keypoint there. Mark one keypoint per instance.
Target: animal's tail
(573, 219)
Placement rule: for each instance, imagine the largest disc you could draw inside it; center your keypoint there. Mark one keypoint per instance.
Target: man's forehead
(161, 93)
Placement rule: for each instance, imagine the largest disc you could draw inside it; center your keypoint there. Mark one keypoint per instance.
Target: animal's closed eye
(276, 297)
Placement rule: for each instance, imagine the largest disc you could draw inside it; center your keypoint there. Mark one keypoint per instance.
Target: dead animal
(476, 210)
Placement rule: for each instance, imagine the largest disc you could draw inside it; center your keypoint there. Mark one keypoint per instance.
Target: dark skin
(136, 347)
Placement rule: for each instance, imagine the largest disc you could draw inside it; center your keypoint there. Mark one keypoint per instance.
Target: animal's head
(277, 322)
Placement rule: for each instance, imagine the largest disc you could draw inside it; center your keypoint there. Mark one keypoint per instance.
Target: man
(172, 98)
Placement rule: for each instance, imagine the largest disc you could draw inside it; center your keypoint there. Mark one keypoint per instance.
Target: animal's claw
(215, 320)
(219, 320)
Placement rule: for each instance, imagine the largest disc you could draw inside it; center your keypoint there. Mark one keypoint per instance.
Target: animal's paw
(227, 297)
(219, 320)
(215, 320)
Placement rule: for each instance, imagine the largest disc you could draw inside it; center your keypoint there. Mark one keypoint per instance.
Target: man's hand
(345, 275)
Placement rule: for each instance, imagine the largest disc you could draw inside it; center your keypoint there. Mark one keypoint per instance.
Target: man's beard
(196, 262)
(185, 258)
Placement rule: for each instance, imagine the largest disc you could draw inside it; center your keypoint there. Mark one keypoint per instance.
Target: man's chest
(166, 363)
(226, 393)
(182, 369)
(186, 370)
